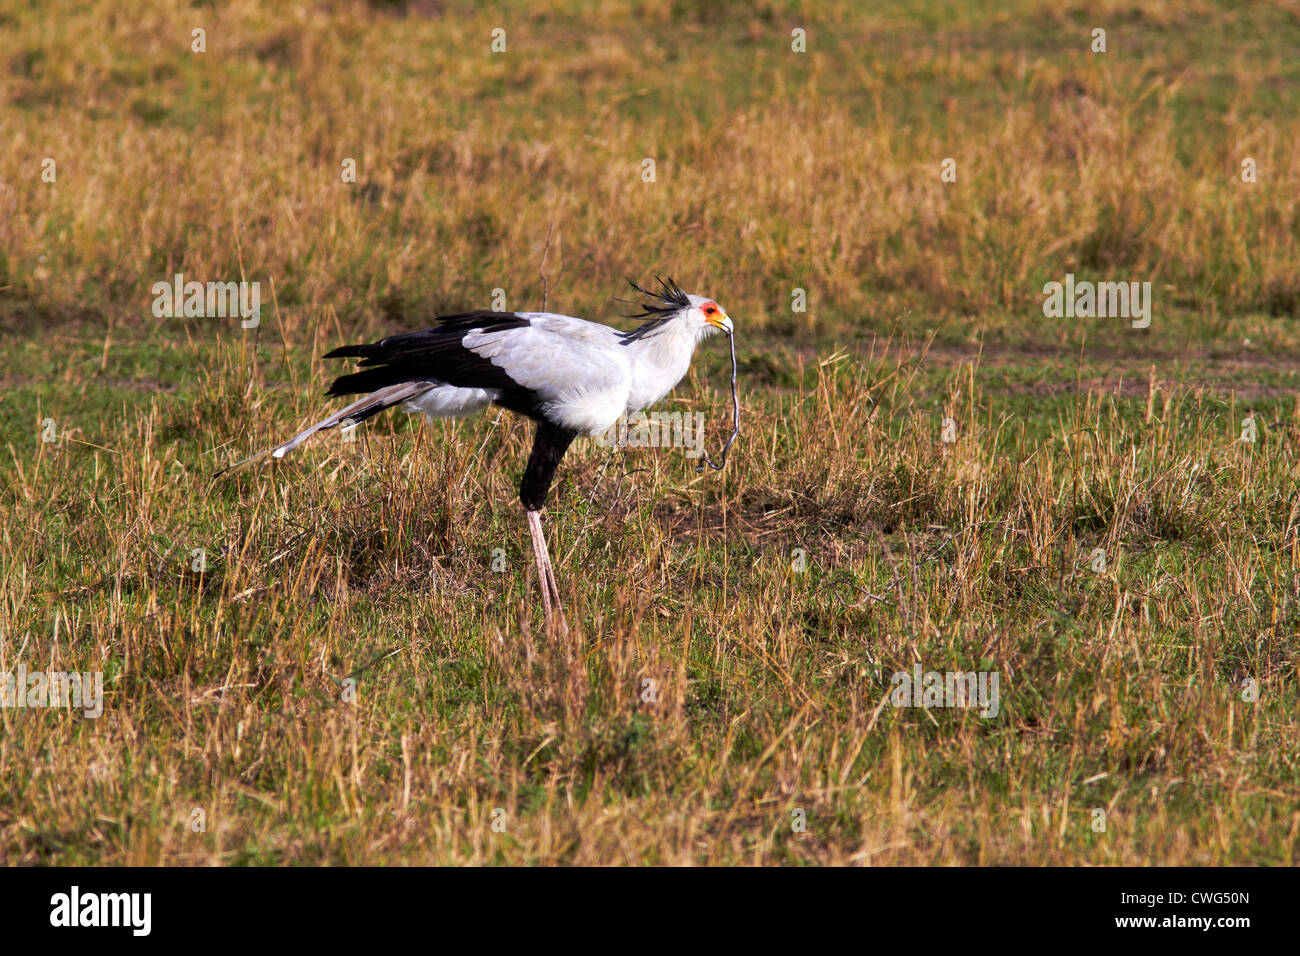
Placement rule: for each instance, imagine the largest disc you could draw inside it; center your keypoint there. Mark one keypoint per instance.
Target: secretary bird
(571, 376)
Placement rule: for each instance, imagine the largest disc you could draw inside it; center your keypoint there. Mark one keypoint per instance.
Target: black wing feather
(431, 354)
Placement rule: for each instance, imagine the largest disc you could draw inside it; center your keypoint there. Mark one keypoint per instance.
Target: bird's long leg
(540, 556)
(551, 606)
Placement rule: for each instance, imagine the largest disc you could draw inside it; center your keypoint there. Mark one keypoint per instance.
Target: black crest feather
(657, 308)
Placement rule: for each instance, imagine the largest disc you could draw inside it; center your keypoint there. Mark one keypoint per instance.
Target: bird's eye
(710, 309)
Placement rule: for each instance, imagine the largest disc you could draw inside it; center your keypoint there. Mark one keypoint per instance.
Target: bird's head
(708, 317)
(669, 303)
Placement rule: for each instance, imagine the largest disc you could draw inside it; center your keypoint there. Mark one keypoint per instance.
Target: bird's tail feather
(358, 411)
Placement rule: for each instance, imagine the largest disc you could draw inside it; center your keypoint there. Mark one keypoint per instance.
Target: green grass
(1121, 690)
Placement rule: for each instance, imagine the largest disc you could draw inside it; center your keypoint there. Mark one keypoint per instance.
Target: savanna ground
(1125, 690)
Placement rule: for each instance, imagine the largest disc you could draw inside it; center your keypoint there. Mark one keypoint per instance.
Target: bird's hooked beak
(722, 322)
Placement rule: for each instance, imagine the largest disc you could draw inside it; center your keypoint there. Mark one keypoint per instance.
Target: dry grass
(1121, 689)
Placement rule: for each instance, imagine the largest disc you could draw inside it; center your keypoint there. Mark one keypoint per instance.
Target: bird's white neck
(659, 359)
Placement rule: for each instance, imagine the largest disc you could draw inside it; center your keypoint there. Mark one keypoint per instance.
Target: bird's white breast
(658, 363)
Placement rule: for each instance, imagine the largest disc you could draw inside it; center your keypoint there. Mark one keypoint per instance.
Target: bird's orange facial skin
(714, 315)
